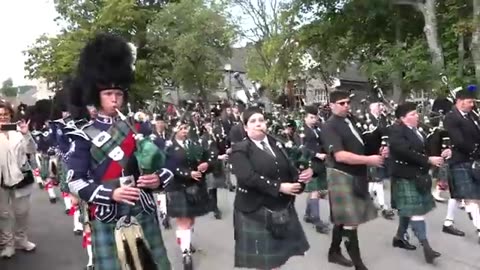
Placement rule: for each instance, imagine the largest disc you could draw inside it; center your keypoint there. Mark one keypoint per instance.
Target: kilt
(44, 166)
(408, 201)
(377, 174)
(318, 183)
(216, 181)
(178, 206)
(256, 248)
(105, 252)
(62, 175)
(462, 185)
(345, 207)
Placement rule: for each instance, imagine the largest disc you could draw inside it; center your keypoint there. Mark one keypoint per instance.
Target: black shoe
(321, 227)
(40, 185)
(192, 249)
(402, 243)
(338, 258)
(388, 214)
(166, 223)
(78, 232)
(452, 230)
(53, 200)
(187, 262)
(310, 219)
(217, 214)
(429, 253)
(67, 212)
(90, 267)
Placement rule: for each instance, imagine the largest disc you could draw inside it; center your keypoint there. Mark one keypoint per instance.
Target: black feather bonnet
(106, 62)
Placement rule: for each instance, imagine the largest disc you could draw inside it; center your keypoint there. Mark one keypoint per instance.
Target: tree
(8, 89)
(53, 58)
(273, 51)
(407, 45)
(188, 40)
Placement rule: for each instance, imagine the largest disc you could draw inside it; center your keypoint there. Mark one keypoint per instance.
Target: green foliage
(385, 39)
(188, 40)
(8, 89)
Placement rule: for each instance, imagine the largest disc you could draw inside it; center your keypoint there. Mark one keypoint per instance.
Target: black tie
(267, 149)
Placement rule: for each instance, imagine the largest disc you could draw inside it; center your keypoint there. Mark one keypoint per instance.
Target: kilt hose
(256, 248)
(104, 248)
(408, 201)
(345, 207)
(461, 183)
(178, 206)
(318, 183)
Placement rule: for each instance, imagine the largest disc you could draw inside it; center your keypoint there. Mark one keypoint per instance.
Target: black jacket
(408, 153)
(259, 176)
(464, 136)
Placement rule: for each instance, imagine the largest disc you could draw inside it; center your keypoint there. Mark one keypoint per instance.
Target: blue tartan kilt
(408, 201)
(178, 206)
(104, 248)
(256, 248)
(462, 185)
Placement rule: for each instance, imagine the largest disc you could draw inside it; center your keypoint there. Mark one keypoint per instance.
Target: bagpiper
(108, 167)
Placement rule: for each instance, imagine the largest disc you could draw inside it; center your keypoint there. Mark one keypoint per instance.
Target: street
(59, 249)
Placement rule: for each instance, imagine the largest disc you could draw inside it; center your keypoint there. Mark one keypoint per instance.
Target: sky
(21, 22)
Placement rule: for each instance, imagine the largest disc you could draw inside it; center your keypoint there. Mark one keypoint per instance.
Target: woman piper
(267, 231)
(103, 164)
(411, 182)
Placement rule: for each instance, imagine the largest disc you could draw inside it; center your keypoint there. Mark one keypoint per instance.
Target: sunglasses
(343, 103)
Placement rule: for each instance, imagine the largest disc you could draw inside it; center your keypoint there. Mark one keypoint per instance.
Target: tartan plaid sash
(119, 132)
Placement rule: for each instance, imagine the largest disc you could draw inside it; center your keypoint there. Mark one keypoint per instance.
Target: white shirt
(259, 144)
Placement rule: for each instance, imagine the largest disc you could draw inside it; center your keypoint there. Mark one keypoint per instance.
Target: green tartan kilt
(462, 185)
(105, 252)
(318, 183)
(44, 166)
(345, 207)
(178, 206)
(256, 248)
(408, 201)
(62, 175)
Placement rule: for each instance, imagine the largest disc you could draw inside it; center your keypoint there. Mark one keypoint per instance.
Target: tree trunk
(461, 55)
(476, 38)
(430, 29)
(398, 95)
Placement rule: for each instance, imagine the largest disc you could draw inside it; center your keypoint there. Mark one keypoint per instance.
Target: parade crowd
(124, 174)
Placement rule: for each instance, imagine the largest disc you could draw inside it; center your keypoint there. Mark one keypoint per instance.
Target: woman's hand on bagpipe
(203, 167)
(151, 181)
(290, 188)
(128, 195)
(223, 157)
(196, 175)
(305, 176)
(384, 152)
(446, 154)
(320, 156)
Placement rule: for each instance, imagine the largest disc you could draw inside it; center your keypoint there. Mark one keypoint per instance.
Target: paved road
(59, 249)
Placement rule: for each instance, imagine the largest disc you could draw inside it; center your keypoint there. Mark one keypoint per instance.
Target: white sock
(380, 194)
(68, 202)
(90, 255)
(51, 193)
(77, 225)
(163, 203)
(469, 208)
(476, 217)
(184, 239)
(451, 206)
(371, 190)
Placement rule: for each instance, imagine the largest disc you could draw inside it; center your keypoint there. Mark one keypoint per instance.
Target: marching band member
(350, 203)
(267, 230)
(103, 169)
(410, 178)
(313, 142)
(187, 195)
(380, 174)
(463, 129)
